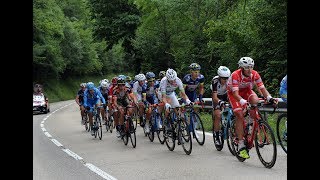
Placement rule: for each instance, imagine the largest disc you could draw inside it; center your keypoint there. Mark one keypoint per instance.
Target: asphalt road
(62, 149)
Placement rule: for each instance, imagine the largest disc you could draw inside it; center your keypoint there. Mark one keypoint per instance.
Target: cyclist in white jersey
(168, 85)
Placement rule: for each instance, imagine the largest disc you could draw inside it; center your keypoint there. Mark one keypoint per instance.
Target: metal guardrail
(282, 106)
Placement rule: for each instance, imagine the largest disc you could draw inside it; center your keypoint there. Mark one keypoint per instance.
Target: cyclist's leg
(239, 121)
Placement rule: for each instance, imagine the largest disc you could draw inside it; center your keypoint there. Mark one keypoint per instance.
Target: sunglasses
(196, 71)
(248, 67)
(224, 78)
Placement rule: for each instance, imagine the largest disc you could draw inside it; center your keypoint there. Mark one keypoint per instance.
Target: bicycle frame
(226, 118)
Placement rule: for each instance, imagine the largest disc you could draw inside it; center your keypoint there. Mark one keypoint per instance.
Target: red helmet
(114, 80)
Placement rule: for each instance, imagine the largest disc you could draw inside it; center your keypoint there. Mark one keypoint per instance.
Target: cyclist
(159, 95)
(92, 97)
(240, 91)
(79, 100)
(168, 85)
(121, 99)
(151, 98)
(104, 90)
(283, 89)
(191, 82)
(139, 87)
(219, 97)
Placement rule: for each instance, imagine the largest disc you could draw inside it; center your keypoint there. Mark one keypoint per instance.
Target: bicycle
(227, 118)
(97, 126)
(153, 125)
(176, 128)
(109, 119)
(282, 131)
(129, 131)
(85, 121)
(192, 116)
(256, 130)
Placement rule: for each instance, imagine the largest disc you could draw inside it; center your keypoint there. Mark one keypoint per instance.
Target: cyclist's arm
(101, 97)
(85, 98)
(201, 85)
(77, 100)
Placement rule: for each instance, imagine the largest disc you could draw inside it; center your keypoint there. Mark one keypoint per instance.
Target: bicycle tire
(228, 139)
(262, 126)
(132, 133)
(169, 136)
(160, 132)
(234, 142)
(135, 118)
(280, 119)
(184, 137)
(99, 127)
(95, 128)
(200, 142)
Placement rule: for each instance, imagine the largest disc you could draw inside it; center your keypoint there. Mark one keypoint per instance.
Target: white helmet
(140, 77)
(106, 80)
(245, 62)
(104, 84)
(223, 71)
(171, 74)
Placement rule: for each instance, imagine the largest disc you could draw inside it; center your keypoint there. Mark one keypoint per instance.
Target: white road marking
(99, 171)
(56, 142)
(72, 154)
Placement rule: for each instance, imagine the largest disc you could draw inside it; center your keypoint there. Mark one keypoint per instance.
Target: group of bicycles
(184, 124)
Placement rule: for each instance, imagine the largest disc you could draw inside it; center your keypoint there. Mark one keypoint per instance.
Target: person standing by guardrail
(240, 92)
(219, 97)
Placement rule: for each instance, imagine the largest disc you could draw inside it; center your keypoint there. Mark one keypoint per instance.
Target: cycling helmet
(223, 71)
(121, 80)
(245, 62)
(114, 80)
(83, 85)
(128, 79)
(150, 75)
(90, 85)
(162, 74)
(171, 74)
(104, 84)
(122, 76)
(140, 77)
(194, 66)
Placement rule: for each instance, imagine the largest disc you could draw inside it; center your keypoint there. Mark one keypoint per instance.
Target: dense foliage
(99, 37)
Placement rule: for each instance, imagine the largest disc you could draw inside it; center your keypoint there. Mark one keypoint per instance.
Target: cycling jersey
(138, 90)
(122, 96)
(80, 94)
(220, 89)
(191, 85)
(92, 99)
(104, 93)
(169, 88)
(244, 85)
(151, 93)
(283, 89)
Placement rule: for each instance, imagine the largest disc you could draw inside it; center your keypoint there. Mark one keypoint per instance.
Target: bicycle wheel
(95, 125)
(198, 127)
(267, 153)
(84, 119)
(111, 124)
(151, 133)
(282, 131)
(99, 127)
(135, 118)
(229, 140)
(184, 137)
(221, 138)
(234, 142)
(160, 132)
(169, 136)
(132, 134)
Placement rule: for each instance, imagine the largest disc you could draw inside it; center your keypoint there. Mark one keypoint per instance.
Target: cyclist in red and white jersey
(239, 88)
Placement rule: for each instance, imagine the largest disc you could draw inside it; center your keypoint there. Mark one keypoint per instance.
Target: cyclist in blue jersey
(192, 81)
(150, 97)
(79, 100)
(92, 97)
(283, 89)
